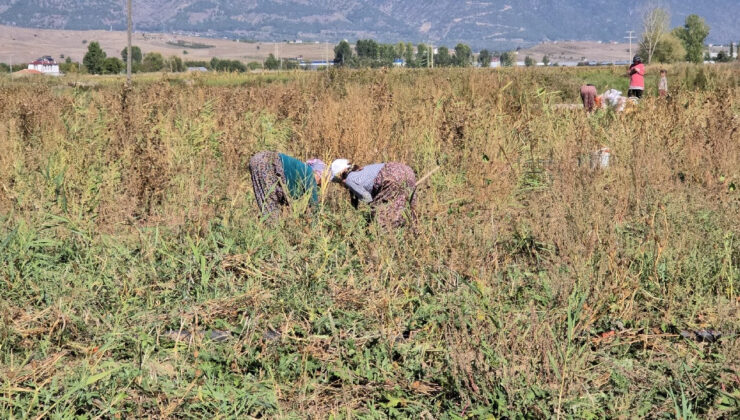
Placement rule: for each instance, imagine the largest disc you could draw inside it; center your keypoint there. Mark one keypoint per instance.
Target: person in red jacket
(637, 78)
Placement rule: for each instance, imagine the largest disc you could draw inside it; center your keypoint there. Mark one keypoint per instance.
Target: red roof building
(46, 65)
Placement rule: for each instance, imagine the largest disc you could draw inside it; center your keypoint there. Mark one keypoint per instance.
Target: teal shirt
(300, 178)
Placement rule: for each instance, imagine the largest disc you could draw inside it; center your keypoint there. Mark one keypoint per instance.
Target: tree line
(657, 43)
(96, 61)
(370, 53)
(682, 43)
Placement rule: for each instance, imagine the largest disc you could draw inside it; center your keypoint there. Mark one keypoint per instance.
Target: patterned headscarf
(317, 165)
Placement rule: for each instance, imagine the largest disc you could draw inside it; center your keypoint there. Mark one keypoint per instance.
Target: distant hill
(489, 24)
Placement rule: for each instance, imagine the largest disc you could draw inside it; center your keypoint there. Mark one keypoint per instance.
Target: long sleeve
(359, 190)
(360, 183)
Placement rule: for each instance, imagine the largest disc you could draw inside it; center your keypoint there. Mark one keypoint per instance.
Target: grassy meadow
(137, 279)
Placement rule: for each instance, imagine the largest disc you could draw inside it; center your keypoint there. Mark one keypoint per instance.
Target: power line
(630, 36)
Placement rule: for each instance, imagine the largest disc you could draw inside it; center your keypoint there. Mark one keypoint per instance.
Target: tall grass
(536, 286)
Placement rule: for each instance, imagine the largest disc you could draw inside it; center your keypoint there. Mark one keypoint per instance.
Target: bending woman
(588, 96)
(277, 179)
(387, 187)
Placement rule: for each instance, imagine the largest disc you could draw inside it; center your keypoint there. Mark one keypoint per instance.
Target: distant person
(588, 96)
(637, 78)
(277, 179)
(663, 84)
(388, 188)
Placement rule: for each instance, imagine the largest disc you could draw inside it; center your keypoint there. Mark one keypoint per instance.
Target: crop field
(138, 280)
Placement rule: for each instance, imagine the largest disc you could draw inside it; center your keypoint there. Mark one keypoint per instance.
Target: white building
(45, 65)
(495, 62)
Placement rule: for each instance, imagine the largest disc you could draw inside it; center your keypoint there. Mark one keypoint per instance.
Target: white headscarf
(337, 167)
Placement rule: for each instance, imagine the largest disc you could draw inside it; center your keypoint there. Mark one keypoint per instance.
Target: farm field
(26, 44)
(136, 279)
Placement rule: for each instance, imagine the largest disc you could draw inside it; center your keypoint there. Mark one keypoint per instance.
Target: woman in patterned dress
(388, 187)
(277, 179)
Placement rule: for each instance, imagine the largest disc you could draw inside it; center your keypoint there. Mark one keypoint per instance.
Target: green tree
(135, 54)
(529, 61)
(113, 65)
(200, 63)
(400, 49)
(367, 48)
(254, 65)
(227, 65)
(68, 66)
(271, 63)
(386, 54)
(669, 50)
(152, 62)
(343, 54)
(422, 55)
(94, 59)
(291, 64)
(443, 57)
(408, 55)
(692, 34)
(174, 64)
(484, 58)
(4, 68)
(723, 57)
(463, 55)
(546, 60)
(236, 66)
(508, 59)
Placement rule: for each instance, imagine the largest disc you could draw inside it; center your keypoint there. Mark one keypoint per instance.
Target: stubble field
(136, 279)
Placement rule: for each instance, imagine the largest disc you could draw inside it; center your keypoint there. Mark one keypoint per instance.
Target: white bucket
(600, 159)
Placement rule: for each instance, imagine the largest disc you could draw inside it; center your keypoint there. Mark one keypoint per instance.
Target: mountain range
(500, 23)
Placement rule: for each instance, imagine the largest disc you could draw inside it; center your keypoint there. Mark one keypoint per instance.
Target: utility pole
(430, 61)
(630, 36)
(128, 50)
(277, 55)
